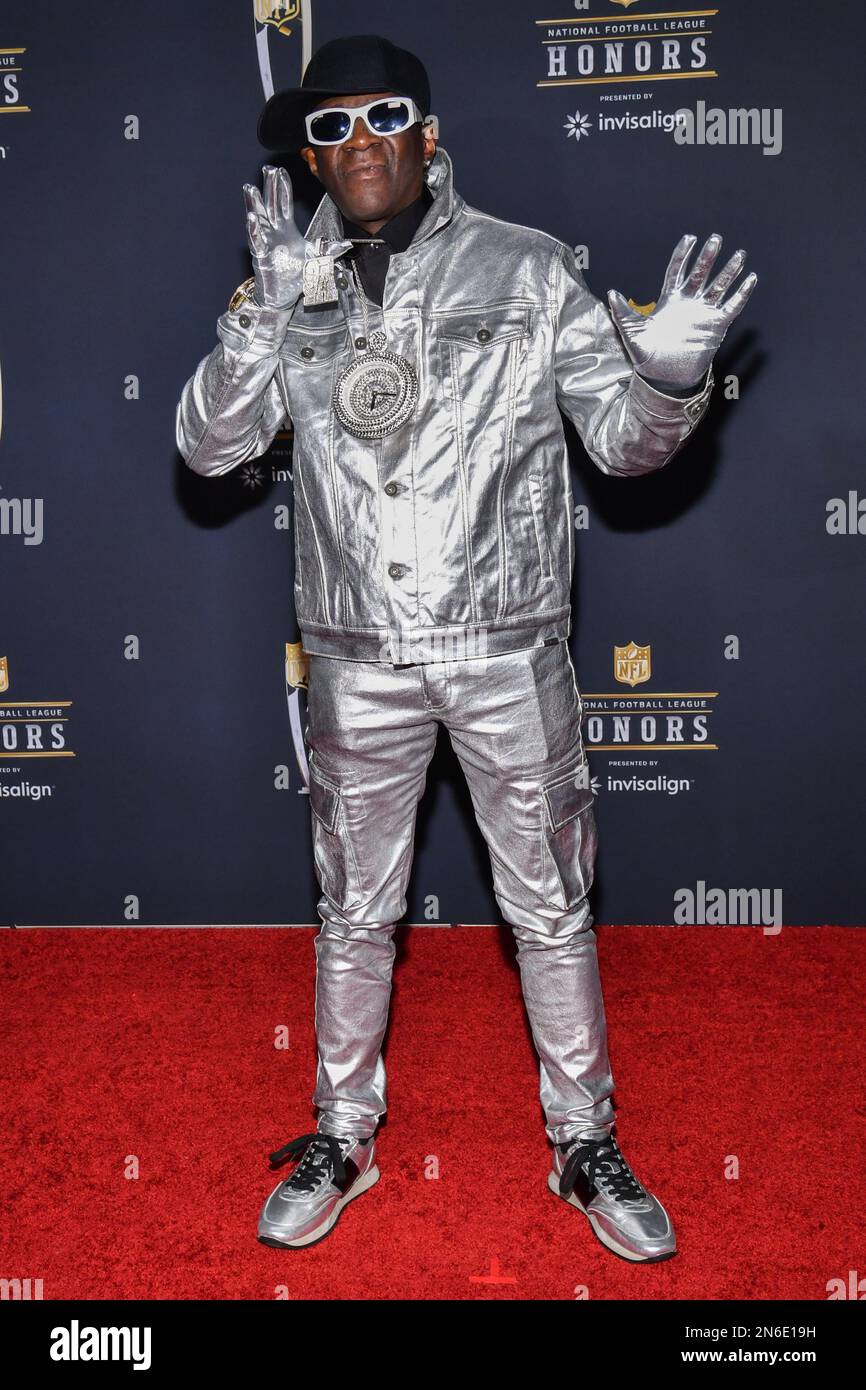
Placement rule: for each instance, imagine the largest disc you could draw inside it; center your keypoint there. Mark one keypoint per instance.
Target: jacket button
(341, 281)
(308, 351)
(396, 571)
(360, 342)
(392, 489)
(483, 334)
(244, 320)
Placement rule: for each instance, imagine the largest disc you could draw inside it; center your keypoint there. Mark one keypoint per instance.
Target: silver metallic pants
(514, 723)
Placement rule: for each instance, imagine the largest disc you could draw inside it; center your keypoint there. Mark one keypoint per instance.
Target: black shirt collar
(399, 230)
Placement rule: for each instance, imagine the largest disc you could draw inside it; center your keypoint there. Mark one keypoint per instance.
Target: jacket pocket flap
(484, 327)
(309, 346)
(568, 797)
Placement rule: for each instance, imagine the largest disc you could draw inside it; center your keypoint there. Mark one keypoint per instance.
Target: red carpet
(159, 1044)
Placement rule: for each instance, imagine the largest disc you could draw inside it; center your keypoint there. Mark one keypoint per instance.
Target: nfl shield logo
(631, 664)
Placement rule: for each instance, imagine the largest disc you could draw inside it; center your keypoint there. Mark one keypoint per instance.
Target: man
(423, 351)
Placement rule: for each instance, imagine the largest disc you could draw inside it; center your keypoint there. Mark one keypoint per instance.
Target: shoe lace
(606, 1167)
(322, 1155)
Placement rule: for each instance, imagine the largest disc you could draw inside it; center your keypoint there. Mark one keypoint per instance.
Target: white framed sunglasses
(331, 125)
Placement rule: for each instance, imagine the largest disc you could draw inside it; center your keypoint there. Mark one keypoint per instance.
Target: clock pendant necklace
(378, 391)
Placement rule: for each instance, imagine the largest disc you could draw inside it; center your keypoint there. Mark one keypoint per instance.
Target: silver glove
(677, 342)
(278, 250)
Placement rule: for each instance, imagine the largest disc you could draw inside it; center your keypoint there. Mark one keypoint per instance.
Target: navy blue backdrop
(147, 769)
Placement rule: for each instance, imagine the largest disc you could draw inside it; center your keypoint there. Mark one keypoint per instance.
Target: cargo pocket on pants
(568, 836)
(336, 864)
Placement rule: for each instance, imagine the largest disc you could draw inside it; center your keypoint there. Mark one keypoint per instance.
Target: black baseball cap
(343, 67)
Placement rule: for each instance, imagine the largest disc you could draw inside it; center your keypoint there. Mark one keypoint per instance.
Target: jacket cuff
(667, 388)
(672, 407)
(254, 329)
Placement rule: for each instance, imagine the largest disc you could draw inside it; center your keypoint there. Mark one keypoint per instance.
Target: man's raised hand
(277, 248)
(677, 342)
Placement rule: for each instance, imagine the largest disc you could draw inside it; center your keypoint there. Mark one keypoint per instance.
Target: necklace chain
(363, 299)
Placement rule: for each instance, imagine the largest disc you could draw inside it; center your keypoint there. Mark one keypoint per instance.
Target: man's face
(371, 177)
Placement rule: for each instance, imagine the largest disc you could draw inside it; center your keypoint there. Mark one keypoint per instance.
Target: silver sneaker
(592, 1175)
(332, 1171)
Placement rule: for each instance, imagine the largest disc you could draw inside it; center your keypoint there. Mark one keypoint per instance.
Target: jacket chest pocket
(482, 353)
(311, 357)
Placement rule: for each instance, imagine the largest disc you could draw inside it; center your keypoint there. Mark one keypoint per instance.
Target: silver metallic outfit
(514, 723)
(458, 528)
(433, 576)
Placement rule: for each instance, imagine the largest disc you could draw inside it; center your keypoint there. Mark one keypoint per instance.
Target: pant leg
(514, 722)
(369, 740)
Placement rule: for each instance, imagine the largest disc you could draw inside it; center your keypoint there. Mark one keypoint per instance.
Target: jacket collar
(439, 178)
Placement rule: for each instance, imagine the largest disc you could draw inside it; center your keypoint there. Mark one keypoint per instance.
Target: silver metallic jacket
(453, 536)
